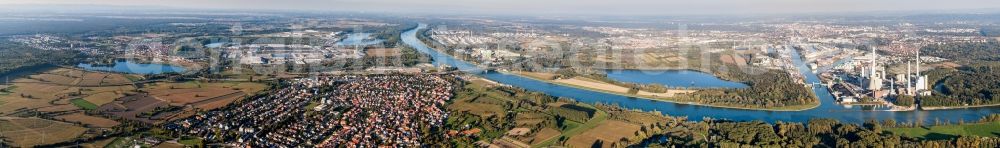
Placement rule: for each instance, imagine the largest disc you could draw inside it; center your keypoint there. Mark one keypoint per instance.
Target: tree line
(814, 133)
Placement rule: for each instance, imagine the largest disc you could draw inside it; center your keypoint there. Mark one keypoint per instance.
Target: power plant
(875, 81)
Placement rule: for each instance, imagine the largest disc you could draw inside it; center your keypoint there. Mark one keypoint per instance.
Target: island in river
(674, 94)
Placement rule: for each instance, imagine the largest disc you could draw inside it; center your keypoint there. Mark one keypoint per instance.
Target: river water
(827, 109)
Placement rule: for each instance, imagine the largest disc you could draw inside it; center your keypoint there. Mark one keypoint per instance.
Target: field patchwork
(28, 132)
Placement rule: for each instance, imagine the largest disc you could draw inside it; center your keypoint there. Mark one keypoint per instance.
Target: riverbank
(957, 107)
(613, 89)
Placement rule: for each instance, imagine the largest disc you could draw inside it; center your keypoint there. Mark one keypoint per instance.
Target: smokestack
(874, 56)
(892, 85)
(918, 63)
(881, 73)
(908, 75)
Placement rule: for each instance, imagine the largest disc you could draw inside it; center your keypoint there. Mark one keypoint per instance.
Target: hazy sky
(648, 7)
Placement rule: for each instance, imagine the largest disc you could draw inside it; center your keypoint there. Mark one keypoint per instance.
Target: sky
(611, 7)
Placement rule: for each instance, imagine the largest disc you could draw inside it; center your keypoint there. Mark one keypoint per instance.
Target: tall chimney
(918, 63)
(909, 71)
(874, 56)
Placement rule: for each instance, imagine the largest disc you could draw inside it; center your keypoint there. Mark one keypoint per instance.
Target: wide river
(827, 109)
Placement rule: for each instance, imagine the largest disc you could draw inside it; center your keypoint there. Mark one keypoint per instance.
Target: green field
(118, 142)
(598, 118)
(190, 141)
(132, 78)
(312, 104)
(8, 90)
(83, 104)
(124, 142)
(950, 131)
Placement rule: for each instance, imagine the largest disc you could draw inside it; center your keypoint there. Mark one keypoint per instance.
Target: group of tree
(965, 51)
(17, 55)
(814, 133)
(974, 84)
(771, 88)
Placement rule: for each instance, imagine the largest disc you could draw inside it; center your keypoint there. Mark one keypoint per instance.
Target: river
(827, 109)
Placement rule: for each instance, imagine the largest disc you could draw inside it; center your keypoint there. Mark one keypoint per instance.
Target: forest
(975, 84)
(966, 52)
(768, 89)
(17, 55)
(814, 133)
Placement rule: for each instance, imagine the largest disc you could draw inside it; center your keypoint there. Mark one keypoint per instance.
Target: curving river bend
(827, 109)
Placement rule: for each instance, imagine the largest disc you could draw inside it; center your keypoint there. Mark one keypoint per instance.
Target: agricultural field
(67, 72)
(479, 109)
(575, 128)
(103, 97)
(169, 145)
(191, 95)
(543, 135)
(55, 79)
(121, 142)
(138, 107)
(59, 108)
(219, 101)
(202, 95)
(382, 52)
(5, 89)
(190, 141)
(607, 134)
(530, 118)
(28, 132)
(92, 79)
(31, 96)
(84, 104)
(91, 121)
(165, 101)
(116, 79)
(98, 144)
(75, 77)
(248, 87)
(53, 90)
(552, 122)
